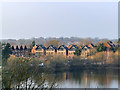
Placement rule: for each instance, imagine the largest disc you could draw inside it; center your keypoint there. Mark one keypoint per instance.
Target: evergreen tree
(119, 41)
(6, 52)
(32, 45)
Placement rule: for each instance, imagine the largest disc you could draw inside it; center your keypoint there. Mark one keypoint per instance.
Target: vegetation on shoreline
(24, 73)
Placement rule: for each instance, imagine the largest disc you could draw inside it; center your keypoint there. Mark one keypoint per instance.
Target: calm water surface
(86, 79)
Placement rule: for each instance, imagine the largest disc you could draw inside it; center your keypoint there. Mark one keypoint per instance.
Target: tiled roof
(63, 46)
(111, 44)
(43, 47)
(12, 48)
(85, 46)
(69, 46)
(18, 47)
(25, 48)
(21, 47)
(52, 47)
(92, 44)
(74, 46)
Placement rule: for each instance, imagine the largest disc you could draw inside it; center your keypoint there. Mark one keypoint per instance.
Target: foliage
(58, 63)
(6, 52)
(76, 61)
(52, 42)
(32, 45)
(100, 56)
(78, 52)
(101, 47)
(114, 58)
(114, 49)
(93, 51)
(24, 73)
(119, 41)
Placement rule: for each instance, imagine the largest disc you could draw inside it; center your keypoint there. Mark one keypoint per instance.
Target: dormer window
(39, 49)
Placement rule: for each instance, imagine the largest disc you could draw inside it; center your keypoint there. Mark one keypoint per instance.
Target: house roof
(21, 47)
(43, 47)
(18, 47)
(86, 46)
(92, 44)
(69, 46)
(111, 44)
(74, 46)
(63, 46)
(52, 47)
(12, 48)
(25, 48)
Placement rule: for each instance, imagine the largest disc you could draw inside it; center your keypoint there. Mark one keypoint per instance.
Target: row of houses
(68, 52)
(41, 51)
(20, 50)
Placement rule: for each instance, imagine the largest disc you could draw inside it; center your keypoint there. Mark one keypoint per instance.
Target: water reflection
(86, 79)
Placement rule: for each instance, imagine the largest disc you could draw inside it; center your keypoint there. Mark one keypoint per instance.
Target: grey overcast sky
(59, 19)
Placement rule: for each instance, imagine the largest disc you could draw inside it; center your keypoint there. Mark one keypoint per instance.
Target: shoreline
(75, 68)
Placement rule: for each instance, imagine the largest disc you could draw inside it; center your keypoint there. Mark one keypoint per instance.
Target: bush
(18, 72)
(58, 63)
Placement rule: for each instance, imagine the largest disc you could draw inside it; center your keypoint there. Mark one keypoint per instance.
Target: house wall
(61, 52)
(20, 52)
(84, 53)
(50, 52)
(40, 53)
(70, 54)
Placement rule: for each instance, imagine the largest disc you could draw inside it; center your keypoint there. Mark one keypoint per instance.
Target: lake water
(86, 79)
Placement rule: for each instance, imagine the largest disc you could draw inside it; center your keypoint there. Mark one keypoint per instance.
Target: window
(62, 49)
(39, 49)
(36, 53)
(52, 53)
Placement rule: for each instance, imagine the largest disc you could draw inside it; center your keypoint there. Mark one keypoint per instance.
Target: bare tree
(21, 73)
